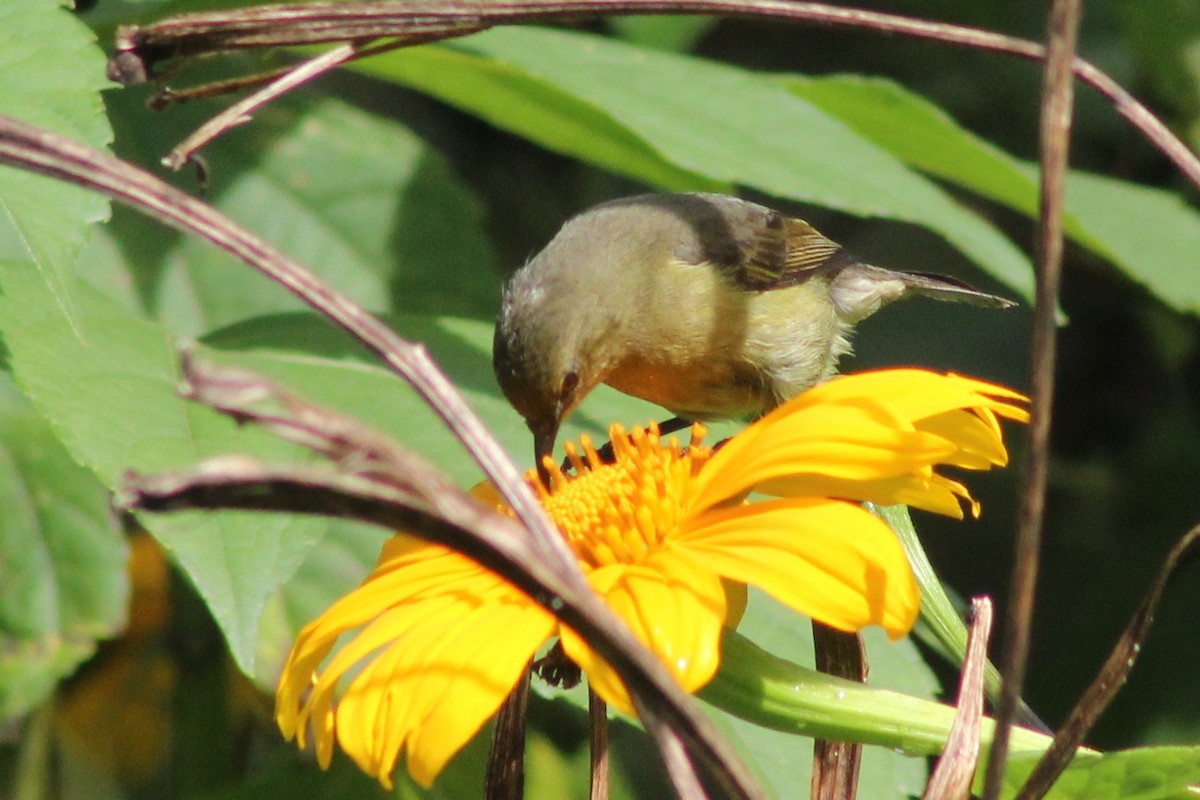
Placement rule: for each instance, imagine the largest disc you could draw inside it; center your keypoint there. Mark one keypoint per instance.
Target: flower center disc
(621, 512)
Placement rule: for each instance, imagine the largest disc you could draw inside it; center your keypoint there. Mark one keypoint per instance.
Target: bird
(706, 304)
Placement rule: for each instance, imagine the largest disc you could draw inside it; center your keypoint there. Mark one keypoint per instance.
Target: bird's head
(538, 359)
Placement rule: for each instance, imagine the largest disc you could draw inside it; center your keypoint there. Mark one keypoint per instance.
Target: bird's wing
(785, 251)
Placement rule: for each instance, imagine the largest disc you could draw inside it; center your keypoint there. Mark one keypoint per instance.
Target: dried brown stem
(598, 723)
(836, 764)
(505, 777)
(140, 48)
(955, 770)
(166, 96)
(1111, 677)
(1057, 107)
(239, 113)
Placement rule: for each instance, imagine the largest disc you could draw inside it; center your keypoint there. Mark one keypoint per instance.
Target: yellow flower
(666, 536)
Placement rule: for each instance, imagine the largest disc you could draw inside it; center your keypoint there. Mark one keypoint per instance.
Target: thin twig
(239, 113)
(1111, 677)
(836, 764)
(672, 749)
(140, 48)
(166, 95)
(955, 770)
(505, 776)
(315, 23)
(1057, 107)
(598, 757)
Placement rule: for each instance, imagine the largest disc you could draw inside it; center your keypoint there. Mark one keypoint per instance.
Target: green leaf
(45, 222)
(361, 200)
(509, 97)
(1146, 773)
(1152, 235)
(108, 381)
(62, 560)
(686, 123)
(920, 134)
(365, 196)
(675, 33)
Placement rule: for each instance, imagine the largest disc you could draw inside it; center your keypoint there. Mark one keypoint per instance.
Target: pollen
(622, 510)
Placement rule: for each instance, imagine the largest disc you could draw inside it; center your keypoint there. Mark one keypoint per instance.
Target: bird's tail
(859, 290)
(940, 287)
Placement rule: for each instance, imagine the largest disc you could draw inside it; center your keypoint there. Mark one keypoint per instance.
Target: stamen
(621, 511)
(594, 460)
(557, 479)
(573, 456)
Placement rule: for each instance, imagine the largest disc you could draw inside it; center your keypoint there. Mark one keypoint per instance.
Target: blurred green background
(454, 196)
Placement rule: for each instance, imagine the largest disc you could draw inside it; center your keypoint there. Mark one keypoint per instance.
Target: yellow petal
(374, 717)
(918, 394)
(674, 604)
(293, 709)
(439, 682)
(407, 567)
(845, 442)
(979, 442)
(875, 428)
(926, 490)
(736, 598)
(443, 643)
(830, 560)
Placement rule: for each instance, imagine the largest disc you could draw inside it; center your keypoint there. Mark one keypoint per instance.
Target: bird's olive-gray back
(698, 228)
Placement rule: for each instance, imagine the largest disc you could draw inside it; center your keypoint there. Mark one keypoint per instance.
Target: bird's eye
(569, 384)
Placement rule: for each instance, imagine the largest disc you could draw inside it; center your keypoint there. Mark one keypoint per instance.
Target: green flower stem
(775, 693)
(939, 617)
